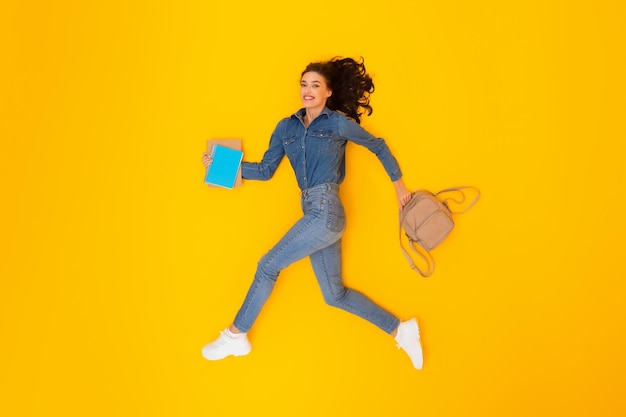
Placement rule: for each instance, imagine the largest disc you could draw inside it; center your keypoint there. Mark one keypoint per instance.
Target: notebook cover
(229, 143)
(224, 168)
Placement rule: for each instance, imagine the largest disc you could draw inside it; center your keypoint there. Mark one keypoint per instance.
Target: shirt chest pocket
(290, 145)
(322, 142)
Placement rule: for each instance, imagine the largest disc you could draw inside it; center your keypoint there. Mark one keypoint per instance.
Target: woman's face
(313, 90)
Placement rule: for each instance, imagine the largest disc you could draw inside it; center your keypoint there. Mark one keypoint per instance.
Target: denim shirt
(317, 153)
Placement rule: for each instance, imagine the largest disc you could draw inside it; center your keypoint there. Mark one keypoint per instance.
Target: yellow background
(118, 264)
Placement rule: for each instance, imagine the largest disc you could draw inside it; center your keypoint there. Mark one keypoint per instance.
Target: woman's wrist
(399, 185)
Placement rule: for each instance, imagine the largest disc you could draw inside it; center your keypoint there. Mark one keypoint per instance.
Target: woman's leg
(327, 267)
(304, 238)
(320, 226)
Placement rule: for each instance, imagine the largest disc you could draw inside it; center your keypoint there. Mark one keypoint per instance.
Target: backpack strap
(425, 255)
(462, 200)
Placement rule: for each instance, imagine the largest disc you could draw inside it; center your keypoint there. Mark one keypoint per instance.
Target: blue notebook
(224, 167)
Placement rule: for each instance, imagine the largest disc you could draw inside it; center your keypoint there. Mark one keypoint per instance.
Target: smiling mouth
(308, 98)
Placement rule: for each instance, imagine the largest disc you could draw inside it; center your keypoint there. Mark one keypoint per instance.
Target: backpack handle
(462, 200)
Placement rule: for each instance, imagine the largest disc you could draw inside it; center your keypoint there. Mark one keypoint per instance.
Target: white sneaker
(408, 338)
(227, 344)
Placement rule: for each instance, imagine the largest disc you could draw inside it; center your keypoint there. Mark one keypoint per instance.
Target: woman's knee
(265, 269)
(335, 298)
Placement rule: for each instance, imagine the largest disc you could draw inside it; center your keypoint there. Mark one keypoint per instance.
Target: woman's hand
(403, 194)
(206, 159)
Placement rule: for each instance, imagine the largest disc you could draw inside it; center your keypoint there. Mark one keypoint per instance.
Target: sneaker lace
(222, 340)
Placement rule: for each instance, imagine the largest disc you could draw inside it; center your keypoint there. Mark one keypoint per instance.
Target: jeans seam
(339, 302)
(285, 244)
(362, 313)
(278, 251)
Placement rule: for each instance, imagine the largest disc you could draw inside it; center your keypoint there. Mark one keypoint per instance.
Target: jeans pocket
(336, 219)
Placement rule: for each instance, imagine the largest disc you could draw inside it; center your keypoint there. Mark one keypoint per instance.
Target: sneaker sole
(224, 357)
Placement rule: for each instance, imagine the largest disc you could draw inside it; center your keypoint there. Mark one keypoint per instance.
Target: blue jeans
(317, 235)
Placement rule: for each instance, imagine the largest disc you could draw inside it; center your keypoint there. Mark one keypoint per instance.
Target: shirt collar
(300, 113)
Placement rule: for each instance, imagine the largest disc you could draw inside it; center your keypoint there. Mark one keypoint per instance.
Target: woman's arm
(264, 169)
(353, 132)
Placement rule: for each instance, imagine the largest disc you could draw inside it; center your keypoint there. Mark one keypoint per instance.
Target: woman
(314, 141)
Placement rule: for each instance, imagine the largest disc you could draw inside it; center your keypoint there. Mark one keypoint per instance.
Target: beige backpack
(427, 221)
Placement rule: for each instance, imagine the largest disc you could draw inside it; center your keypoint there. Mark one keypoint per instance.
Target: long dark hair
(350, 84)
